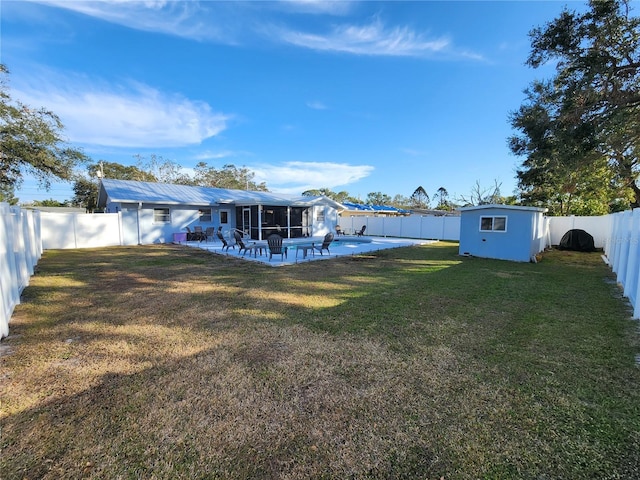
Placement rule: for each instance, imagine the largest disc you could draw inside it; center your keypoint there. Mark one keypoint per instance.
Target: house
(503, 232)
(156, 212)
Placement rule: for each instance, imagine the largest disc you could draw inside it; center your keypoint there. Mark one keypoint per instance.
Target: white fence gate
(20, 250)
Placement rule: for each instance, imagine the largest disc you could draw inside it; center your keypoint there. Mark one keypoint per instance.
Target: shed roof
(504, 207)
(129, 191)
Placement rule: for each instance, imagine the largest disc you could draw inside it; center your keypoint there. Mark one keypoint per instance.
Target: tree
(400, 201)
(589, 114)
(162, 170)
(31, 143)
(339, 197)
(7, 194)
(419, 198)
(85, 187)
(378, 198)
(229, 176)
(443, 202)
(483, 195)
(49, 203)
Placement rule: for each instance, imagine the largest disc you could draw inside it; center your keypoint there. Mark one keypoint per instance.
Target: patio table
(305, 248)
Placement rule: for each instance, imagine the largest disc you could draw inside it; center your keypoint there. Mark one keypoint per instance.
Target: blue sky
(357, 96)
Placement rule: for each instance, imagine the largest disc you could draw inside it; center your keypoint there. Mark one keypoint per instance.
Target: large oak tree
(580, 130)
(31, 143)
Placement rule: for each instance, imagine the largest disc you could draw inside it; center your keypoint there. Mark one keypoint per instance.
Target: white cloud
(315, 105)
(209, 155)
(296, 177)
(371, 39)
(133, 115)
(330, 7)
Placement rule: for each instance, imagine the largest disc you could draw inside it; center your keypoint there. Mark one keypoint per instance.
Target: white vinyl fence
(414, 226)
(623, 254)
(25, 233)
(80, 230)
(20, 250)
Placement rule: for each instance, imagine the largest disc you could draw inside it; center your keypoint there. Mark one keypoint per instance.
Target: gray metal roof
(128, 191)
(503, 207)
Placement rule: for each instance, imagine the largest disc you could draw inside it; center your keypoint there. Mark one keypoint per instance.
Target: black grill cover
(577, 240)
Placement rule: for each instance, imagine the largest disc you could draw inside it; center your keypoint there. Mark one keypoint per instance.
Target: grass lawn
(169, 362)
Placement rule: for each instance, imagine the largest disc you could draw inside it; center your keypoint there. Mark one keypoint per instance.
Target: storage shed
(504, 232)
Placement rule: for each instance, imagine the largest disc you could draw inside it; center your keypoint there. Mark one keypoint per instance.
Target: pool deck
(300, 250)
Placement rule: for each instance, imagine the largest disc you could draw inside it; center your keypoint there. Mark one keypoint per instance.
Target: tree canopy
(31, 143)
(580, 130)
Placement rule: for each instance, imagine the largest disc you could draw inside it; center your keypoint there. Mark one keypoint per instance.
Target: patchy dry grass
(167, 362)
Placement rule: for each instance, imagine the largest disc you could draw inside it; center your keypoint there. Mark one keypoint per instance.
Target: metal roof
(129, 191)
(503, 207)
(373, 208)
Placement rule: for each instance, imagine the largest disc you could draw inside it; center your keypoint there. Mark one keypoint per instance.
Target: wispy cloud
(128, 115)
(173, 17)
(296, 177)
(237, 23)
(371, 39)
(329, 7)
(209, 155)
(315, 105)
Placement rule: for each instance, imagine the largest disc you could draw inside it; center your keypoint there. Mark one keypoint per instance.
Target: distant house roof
(504, 207)
(374, 208)
(128, 191)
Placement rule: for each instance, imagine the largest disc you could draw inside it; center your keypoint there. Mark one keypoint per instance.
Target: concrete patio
(301, 250)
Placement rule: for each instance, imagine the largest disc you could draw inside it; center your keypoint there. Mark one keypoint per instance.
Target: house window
(224, 217)
(205, 215)
(493, 224)
(161, 215)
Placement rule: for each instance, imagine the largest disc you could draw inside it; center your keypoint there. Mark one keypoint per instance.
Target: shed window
(493, 224)
(205, 215)
(161, 215)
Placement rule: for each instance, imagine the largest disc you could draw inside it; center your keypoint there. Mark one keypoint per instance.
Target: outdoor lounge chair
(242, 247)
(225, 245)
(210, 234)
(328, 238)
(361, 231)
(275, 246)
(198, 233)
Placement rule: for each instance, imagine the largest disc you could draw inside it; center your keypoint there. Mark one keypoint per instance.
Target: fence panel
(597, 227)
(20, 250)
(80, 230)
(414, 226)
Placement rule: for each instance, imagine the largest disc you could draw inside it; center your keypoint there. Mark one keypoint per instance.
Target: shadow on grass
(176, 363)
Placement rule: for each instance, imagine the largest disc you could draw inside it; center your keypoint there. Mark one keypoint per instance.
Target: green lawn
(168, 362)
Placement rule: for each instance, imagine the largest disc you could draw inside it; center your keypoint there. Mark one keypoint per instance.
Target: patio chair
(274, 241)
(210, 234)
(190, 234)
(339, 230)
(328, 238)
(360, 232)
(198, 233)
(225, 245)
(242, 247)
